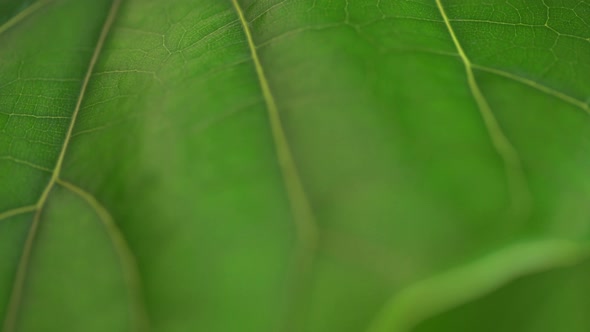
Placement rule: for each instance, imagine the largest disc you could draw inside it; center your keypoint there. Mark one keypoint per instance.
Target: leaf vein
(127, 259)
(438, 294)
(543, 88)
(519, 192)
(23, 15)
(26, 163)
(17, 211)
(305, 222)
(23, 265)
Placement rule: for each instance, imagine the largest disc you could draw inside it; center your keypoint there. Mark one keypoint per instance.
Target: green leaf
(294, 165)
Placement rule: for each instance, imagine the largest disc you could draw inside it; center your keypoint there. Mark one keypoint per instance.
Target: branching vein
(27, 163)
(552, 92)
(17, 211)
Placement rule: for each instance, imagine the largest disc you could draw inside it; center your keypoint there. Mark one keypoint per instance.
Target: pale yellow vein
(305, 221)
(520, 196)
(23, 15)
(16, 296)
(128, 262)
(26, 163)
(17, 211)
(442, 292)
(536, 85)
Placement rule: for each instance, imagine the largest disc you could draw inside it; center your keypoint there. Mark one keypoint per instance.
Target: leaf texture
(294, 165)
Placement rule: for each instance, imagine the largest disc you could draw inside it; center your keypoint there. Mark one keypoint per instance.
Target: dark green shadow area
(11, 8)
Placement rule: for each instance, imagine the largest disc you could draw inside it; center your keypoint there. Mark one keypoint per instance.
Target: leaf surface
(294, 165)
